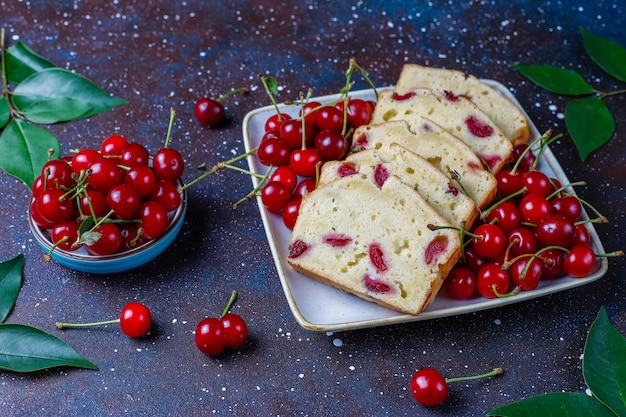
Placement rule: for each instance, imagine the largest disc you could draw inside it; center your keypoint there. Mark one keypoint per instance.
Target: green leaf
(604, 364)
(5, 111)
(610, 56)
(272, 85)
(555, 79)
(24, 150)
(28, 349)
(556, 404)
(10, 284)
(589, 123)
(22, 62)
(55, 110)
(53, 84)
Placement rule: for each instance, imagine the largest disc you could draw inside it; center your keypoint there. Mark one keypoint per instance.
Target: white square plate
(319, 307)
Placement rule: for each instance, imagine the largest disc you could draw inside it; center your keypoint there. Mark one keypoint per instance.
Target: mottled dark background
(162, 54)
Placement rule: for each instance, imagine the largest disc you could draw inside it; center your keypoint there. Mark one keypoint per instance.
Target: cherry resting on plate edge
(135, 321)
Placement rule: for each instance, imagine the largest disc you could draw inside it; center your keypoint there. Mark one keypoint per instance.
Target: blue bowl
(81, 260)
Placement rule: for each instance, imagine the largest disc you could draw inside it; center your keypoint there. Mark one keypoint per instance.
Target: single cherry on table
(135, 321)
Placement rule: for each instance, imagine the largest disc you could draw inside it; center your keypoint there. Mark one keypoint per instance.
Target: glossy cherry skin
(489, 241)
(209, 112)
(304, 161)
(555, 230)
(109, 242)
(492, 281)
(210, 337)
(168, 164)
(235, 330)
(580, 261)
(154, 220)
(505, 215)
(461, 284)
(429, 387)
(65, 234)
(526, 272)
(135, 320)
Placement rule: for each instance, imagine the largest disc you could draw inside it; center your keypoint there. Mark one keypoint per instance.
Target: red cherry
(568, 206)
(209, 112)
(113, 146)
(273, 122)
(64, 235)
(331, 145)
(274, 151)
(429, 387)
(210, 337)
(492, 281)
(109, 241)
(105, 174)
(275, 195)
(82, 159)
(285, 175)
(292, 133)
(57, 173)
(508, 182)
(505, 215)
(489, 240)
(310, 113)
(124, 201)
(93, 203)
(135, 320)
(168, 164)
(154, 220)
(534, 207)
(305, 186)
(330, 118)
(290, 212)
(536, 182)
(166, 194)
(235, 330)
(527, 156)
(304, 161)
(461, 283)
(526, 272)
(142, 179)
(555, 230)
(135, 154)
(580, 261)
(54, 205)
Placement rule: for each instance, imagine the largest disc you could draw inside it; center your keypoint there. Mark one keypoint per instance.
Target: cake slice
(433, 185)
(373, 241)
(442, 149)
(456, 114)
(504, 113)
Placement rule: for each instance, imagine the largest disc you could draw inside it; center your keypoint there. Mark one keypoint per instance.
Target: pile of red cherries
(534, 231)
(107, 200)
(296, 147)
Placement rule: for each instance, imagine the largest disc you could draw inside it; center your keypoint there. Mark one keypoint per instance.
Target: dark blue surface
(160, 54)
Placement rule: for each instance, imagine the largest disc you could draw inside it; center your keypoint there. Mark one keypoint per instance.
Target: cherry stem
(60, 325)
(231, 93)
(231, 301)
(169, 127)
(494, 372)
(256, 189)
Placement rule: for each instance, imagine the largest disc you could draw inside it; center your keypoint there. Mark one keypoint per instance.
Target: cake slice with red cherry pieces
(372, 240)
(432, 184)
(504, 113)
(439, 147)
(456, 114)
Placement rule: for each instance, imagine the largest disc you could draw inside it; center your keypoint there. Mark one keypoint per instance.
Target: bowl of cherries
(111, 209)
